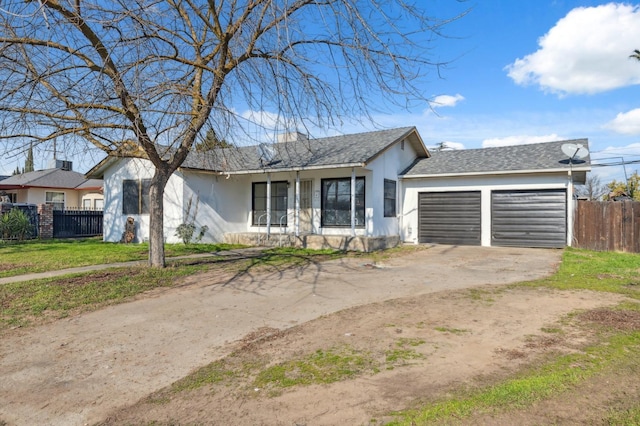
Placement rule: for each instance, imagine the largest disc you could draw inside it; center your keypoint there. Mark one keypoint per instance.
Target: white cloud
(627, 123)
(519, 140)
(446, 101)
(586, 52)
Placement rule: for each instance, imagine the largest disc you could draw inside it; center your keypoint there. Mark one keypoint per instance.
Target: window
(56, 199)
(279, 192)
(389, 198)
(135, 196)
(86, 204)
(336, 202)
(99, 204)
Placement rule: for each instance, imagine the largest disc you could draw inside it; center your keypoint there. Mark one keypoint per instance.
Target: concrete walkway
(231, 254)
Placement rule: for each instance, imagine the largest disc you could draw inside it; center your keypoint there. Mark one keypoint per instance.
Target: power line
(617, 163)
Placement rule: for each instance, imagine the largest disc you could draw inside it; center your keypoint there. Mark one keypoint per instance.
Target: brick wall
(45, 213)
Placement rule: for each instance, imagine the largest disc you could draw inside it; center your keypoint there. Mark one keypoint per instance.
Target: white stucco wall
(387, 166)
(221, 203)
(484, 184)
(114, 219)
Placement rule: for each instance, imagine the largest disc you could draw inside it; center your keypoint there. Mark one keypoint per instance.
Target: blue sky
(540, 70)
(521, 71)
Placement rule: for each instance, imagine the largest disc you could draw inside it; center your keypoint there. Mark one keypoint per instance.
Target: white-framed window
(56, 199)
(98, 204)
(336, 202)
(86, 204)
(389, 198)
(279, 192)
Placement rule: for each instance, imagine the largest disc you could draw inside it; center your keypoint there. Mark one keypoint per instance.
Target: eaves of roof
(280, 169)
(495, 172)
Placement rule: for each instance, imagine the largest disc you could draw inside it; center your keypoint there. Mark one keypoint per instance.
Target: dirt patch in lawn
(357, 366)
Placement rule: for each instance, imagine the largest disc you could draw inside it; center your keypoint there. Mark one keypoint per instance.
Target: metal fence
(607, 226)
(30, 210)
(77, 223)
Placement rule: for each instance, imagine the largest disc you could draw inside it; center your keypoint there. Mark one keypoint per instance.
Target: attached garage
(529, 218)
(512, 196)
(449, 217)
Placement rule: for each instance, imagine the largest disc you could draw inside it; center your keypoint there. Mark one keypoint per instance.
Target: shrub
(186, 229)
(15, 225)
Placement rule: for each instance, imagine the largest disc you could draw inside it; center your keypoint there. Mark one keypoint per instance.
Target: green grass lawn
(613, 272)
(42, 256)
(33, 302)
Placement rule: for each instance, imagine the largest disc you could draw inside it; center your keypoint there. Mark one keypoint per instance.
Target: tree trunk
(156, 218)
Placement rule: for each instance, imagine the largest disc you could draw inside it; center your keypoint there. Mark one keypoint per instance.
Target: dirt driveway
(79, 370)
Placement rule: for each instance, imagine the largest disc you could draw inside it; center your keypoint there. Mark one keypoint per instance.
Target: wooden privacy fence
(607, 226)
(77, 223)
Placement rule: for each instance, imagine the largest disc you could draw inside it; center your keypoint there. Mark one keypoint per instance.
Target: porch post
(353, 201)
(296, 211)
(268, 204)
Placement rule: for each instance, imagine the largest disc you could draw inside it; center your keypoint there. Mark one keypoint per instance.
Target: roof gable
(536, 157)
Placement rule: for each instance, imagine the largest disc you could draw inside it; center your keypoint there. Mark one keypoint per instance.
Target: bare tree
(593, 189)
(141, 78)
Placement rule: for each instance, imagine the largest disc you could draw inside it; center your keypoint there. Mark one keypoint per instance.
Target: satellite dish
(574, 150)
(267, 152)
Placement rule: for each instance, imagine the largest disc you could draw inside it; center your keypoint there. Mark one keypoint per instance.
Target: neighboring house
(63, 188)
(359, 191)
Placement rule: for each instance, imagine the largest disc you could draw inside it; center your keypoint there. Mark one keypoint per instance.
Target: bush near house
(15, 225)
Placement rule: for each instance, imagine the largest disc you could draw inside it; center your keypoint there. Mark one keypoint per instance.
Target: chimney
(61, 164)
(292, 137)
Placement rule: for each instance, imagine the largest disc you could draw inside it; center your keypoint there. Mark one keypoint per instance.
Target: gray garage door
(529, 218)
(449, 217)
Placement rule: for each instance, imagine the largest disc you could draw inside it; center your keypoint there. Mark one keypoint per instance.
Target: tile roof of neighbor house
(522, 158)
(337, 151)
(49, 178)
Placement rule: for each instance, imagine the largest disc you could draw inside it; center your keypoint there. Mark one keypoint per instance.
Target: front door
(306, 211)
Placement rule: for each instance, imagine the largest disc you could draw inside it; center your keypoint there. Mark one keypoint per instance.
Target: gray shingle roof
(337, 151)
(535, 157)
(48, 178)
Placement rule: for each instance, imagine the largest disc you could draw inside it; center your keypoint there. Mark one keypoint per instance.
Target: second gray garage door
(449, 217)
(529, 218)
